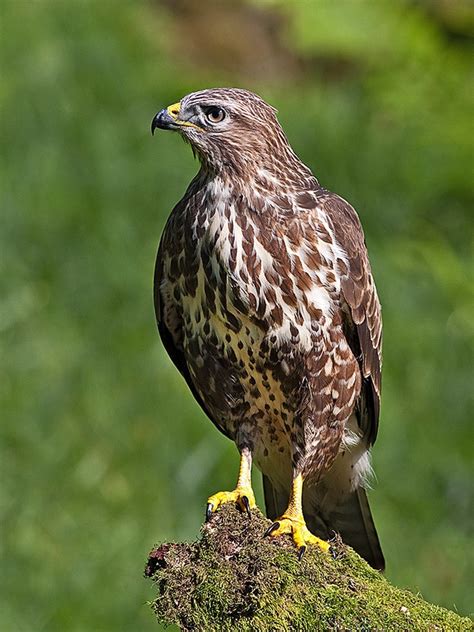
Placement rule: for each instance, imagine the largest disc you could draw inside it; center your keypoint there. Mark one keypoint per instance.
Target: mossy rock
(235, 579)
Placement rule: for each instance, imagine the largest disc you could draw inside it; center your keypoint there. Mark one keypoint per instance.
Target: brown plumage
(265, 302)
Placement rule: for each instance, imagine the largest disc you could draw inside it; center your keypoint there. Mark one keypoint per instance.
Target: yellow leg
(242, 495)
(293, 522)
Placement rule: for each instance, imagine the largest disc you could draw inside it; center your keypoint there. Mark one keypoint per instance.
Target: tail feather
(276, 501)
(351, 518)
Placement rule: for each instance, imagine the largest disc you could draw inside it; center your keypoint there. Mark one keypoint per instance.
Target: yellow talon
(242, 496)
(298, 530)
(293, 522)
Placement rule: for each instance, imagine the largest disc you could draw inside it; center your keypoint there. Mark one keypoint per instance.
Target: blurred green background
(104, 452)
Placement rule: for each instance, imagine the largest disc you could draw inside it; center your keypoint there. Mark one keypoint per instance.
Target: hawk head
(228, 128)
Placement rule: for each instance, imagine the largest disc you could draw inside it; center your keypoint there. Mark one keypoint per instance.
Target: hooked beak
(168, 119)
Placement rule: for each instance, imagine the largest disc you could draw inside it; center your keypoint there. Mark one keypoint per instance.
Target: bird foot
(299, 532)
(242, 496)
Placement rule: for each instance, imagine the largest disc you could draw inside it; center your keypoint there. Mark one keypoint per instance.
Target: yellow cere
(173, 110)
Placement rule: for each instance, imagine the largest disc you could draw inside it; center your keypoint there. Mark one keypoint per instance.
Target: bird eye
(215, 115)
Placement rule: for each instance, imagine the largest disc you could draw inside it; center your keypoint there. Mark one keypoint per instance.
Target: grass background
(103, 451)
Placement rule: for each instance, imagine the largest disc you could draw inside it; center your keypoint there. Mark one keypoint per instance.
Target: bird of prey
(266, 304)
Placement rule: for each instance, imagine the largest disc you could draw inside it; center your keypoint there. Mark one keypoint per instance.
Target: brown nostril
(175, 111)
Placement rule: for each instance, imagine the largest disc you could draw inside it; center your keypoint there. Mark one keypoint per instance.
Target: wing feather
(175, 353)
(361, 306)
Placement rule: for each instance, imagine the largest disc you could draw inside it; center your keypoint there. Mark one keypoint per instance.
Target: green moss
(233, 578)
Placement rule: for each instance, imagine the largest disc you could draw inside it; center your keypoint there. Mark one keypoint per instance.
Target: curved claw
(273, 527)
(301, 552)
(246, 503)
(299, 532)
(333, 552)
(243, 497)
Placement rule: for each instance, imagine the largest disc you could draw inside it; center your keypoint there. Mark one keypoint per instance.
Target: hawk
(266, 304)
